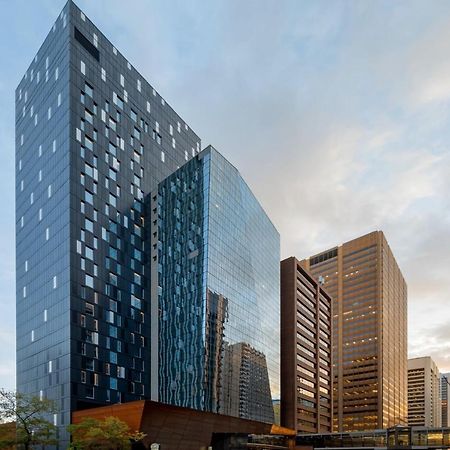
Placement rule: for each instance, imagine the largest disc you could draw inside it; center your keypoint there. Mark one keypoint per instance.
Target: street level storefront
(176, 428)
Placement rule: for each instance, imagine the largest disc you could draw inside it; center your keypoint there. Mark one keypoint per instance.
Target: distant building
(369, 332)
(424, 405)
(306, 369)
(215, 271)
(445, 404)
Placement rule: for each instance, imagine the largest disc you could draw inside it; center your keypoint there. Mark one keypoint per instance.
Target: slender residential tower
(93, 138)
(369, 332)
(424, 404)
(306, 361)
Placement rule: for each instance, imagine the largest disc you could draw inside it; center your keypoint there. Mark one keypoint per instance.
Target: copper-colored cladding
(369, 332)
(177, 428)
(306, 403)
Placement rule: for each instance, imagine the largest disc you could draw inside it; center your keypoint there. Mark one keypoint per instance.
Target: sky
(336, 113)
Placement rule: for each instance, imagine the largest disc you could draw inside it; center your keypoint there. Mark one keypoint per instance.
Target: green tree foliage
(29, 412)
(108, 434)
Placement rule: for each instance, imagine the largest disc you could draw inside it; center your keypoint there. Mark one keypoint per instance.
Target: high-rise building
(92, 139)
(445, 404)
(369, 332)
(306, 362)
(424, 405)
(215, 270)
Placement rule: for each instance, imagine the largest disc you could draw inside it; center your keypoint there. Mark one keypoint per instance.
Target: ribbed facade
(369, 332)
(306, 336)
(424, 404)
(445, 405)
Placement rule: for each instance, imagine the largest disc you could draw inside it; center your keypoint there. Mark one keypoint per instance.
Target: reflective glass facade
(215, 257)
(93, 138)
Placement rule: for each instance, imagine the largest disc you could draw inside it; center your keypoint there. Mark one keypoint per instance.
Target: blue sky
(336, 113)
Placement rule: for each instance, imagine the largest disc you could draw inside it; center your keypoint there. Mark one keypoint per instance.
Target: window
(45, 315)
(88, 116)
(89, 281)
(89, 253)
(83, 68)
(148, 107)
(88, 197)
(122, 80)
(50, 366)
(49, 113)
(32, 335)
(55, 282)
(113, 383)
(56, 73)
(54, 145)
(89, 309)
(112, 200)
(59, 99)
(95, 40)
(47, 234)
(133, 115)
(139, 85)
(90, 364)
(49, 191)
(163, 157)
(103, 74)
(89, 90)
(89, 225)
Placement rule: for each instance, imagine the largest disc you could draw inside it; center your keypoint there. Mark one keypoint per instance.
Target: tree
(32, 428)
(108, 434)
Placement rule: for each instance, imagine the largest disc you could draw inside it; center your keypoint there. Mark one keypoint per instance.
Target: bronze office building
(306, 377)
(370, 365)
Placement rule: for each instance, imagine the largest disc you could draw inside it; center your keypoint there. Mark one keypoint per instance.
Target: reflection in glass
(216, 261)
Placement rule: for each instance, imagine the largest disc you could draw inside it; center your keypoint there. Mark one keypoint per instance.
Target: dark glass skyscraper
(93, 139)
(216, 273)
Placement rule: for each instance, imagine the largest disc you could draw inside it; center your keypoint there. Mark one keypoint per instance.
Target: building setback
(215, 272)
(444, 392)
(306, 369)
(369, 332)
(424, 405)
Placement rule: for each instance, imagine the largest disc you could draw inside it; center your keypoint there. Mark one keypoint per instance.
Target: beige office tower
(445, 404)
(369, 332)
(424, 403)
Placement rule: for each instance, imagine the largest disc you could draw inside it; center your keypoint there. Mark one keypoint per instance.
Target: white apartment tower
(424, 404)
